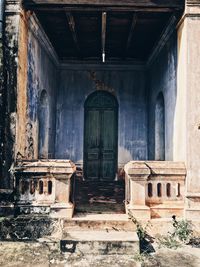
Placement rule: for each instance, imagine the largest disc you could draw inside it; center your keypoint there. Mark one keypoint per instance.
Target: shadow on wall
(43, 118)
(160, 128)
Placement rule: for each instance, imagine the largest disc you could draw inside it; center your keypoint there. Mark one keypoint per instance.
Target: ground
(36, 254)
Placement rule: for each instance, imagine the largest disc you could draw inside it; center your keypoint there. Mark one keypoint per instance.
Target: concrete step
(100, 242)
(99, 222)
(91, 221)
(100, 207)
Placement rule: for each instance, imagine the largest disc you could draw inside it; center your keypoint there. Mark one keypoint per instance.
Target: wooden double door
(100, 136)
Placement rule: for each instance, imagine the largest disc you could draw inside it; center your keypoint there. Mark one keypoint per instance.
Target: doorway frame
(116, 108)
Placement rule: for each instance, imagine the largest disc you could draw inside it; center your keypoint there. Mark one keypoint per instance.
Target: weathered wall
(162, 78)
(187, 138)
(9, 93)
(192, 27)
(42, 75)
(2, 94)
(189, 91)
(20, 142)
(129, 88)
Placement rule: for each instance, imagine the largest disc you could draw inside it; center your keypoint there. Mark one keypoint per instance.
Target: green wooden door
(100, 144)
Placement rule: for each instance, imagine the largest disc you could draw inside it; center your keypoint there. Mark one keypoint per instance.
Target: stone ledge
(51, 166)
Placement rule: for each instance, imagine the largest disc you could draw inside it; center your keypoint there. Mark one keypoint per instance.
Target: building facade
(101, 93)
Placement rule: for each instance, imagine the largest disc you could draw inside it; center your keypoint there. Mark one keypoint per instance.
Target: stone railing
(155, 189)
(44, 186)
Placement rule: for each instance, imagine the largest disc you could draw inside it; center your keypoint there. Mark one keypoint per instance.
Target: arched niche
(160, 127)
(43, 121)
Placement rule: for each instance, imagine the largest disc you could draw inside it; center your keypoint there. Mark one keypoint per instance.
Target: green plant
(182, 230)
(145, 259)
(181, 234)
(168, 241)
(141, 231)
(141, 257)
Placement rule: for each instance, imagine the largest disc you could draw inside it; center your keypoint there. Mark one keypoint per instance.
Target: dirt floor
(37, 254)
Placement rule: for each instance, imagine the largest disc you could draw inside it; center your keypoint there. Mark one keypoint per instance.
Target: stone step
(91, 221)
(87, 190)
(99, 197)
(101, 208)
(100, 242)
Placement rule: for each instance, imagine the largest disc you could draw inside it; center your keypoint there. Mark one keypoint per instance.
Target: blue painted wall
(42, 75)
(129, 88)
(135, 89)
(162, 77)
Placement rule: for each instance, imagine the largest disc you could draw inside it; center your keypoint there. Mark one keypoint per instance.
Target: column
(137, 174)
(187, 120)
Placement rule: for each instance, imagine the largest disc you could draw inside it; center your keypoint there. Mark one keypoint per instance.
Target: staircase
(99, 234)
(100, 225)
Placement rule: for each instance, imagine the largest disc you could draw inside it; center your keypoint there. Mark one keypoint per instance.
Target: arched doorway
(100, 136)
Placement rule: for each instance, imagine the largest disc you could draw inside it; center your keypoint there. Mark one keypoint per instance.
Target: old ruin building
(100, 107)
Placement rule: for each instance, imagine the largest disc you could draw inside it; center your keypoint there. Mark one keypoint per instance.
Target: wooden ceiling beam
(103, 35)
(132, 28)
(72, 27)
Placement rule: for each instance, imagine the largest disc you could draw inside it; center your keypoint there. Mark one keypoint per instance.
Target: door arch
(100, 136)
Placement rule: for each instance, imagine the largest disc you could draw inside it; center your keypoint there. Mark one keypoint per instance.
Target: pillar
(187, 119)
(136, 175)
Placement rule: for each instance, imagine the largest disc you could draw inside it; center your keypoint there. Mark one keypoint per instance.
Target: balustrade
(155, 185)
(45, 186)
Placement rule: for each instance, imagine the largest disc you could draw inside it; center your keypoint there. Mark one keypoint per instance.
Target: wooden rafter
(103, 35)
(72, 27)
(130, 35)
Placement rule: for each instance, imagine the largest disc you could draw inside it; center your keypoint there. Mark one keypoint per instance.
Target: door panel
(100, 150)
(92, 139)
(108, 135)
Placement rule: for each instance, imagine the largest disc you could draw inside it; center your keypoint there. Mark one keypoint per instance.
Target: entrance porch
(99, 109)
(152, 190)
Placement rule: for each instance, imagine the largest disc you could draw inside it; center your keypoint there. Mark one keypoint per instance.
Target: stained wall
(162, 78)
(128, 86)
(42, 75)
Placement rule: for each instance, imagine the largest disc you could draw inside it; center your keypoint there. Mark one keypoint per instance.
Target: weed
(168, 241)
(181, 235)
(145, 259)
(141, 231)
(182, 230)
(145, 239)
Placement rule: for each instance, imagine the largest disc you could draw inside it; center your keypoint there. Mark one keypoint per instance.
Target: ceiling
(122, 33)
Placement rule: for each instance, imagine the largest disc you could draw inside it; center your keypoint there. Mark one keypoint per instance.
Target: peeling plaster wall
(11, 28)
(22, 85)
(42, 75)
(162, 78)
(129, 88)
